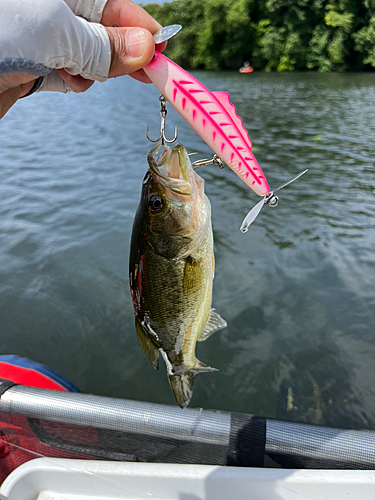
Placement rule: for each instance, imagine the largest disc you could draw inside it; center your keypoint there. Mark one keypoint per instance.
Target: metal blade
(291, 180)
(252, 215)
(166, 33)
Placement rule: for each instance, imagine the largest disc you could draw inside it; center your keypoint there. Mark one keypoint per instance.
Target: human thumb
(132, 49)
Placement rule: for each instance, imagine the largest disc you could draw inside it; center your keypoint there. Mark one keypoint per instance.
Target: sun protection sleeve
(91, 10)
(38, 37)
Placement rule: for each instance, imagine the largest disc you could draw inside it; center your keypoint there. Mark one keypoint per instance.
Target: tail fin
(182, 384)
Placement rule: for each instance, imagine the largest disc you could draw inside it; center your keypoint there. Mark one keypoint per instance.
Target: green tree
(364, 38)
(188, 13)
(216, 33)
(226, 38)
(317, 55)
(281, 35)
(365, 42)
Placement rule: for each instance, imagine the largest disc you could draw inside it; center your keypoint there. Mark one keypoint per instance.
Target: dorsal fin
(223, 97)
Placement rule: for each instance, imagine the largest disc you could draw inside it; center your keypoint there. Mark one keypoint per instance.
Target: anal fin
(148, 345)
(214, 323)
(203, 368)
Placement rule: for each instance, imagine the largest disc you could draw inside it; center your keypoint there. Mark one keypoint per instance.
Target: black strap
(5, 385)
(35, 87)
(247, 440)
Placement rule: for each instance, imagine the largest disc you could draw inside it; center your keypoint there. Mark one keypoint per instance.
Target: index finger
(125, 13)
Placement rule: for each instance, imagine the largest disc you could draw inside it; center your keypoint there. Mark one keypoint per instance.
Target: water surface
(297, 290)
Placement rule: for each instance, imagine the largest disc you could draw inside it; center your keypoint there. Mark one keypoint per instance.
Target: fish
(212, 116)
(171, 268)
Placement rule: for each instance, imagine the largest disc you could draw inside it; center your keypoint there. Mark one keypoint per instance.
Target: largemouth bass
(172, 268)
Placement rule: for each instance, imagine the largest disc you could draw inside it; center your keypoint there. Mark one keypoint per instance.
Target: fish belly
(176, 299)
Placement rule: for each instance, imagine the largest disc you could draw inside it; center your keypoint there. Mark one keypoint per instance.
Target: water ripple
(297, 289)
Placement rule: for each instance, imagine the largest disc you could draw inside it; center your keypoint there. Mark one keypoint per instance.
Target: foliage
(365, 42)
(280, 35)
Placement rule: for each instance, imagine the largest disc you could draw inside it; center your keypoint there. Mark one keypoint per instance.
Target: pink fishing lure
(212, 116)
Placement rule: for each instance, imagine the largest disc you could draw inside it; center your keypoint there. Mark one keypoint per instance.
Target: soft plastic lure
(212, 116)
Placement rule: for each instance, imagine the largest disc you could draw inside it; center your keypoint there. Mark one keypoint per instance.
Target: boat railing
(140, 431)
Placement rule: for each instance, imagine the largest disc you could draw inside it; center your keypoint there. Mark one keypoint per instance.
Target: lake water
(297, 291)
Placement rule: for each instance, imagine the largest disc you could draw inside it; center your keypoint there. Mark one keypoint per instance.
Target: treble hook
(163, 114)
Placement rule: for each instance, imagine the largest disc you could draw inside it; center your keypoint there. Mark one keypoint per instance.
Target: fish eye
(156, 203)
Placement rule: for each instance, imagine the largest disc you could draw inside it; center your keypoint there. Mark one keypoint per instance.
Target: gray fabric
(54, 83)
(134, 417)
(91, 10)
(46, 33)
(11, 65)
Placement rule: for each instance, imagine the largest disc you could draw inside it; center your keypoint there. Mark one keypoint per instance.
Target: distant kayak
(246, 69)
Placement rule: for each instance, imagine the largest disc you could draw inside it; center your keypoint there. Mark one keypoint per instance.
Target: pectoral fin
(193, 275)
(214, 323)
(148, 345)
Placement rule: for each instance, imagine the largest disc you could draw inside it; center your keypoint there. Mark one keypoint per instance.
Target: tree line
(281, 35)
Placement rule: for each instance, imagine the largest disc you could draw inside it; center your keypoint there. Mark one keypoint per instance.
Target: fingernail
(136, 42)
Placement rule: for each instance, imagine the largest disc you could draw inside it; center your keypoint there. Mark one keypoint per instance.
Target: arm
(70, 51)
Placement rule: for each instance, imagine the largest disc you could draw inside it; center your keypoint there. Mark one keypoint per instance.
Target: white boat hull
(63, 479)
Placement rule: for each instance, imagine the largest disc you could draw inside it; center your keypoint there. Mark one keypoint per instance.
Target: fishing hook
(215, 160)
(163, 114)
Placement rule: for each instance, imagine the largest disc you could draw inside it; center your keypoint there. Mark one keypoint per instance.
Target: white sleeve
(38, 36)
(91, 10)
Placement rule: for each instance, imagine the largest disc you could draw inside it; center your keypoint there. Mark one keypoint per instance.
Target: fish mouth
(172, 168)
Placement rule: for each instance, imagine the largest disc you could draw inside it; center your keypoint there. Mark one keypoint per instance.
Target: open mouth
(172, 168)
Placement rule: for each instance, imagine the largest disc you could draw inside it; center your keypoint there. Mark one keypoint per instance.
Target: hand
(116, 14)
(122, 44)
